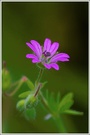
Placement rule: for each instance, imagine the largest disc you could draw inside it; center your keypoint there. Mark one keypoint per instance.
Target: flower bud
(20, 105)
(31, 101)
(6, 79)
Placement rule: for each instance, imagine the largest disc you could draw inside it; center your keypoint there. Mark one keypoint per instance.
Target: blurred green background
(64, 22)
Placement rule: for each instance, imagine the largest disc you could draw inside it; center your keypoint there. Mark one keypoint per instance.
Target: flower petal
(32, 47)
(60, 57)
(37, 47)
(31, 56)
(63, 59)
(35, 61)
(47, 44)
(64, 55)
(55, 66)
(54, 48)
(47, 66)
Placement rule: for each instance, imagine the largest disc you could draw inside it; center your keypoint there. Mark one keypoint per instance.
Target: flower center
(46, 54)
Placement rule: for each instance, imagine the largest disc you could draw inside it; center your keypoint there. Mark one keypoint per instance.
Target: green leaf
(66, 102)
(52, 102)
(73, 112)
(30, 84)
(24, 94)
(66, 106)
(30, 113)
(58, 98)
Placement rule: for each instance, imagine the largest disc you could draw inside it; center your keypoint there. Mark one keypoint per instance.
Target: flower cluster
(47, 54)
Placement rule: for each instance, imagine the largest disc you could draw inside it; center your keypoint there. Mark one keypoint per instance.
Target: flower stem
(44, 101)
(16, 89)
(60, 124)
(56, 118)
(40, 75)
(37, 90)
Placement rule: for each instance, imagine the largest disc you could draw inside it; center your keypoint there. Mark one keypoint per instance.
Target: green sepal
(20, 105)
(31, 101)
(30, 84)
(73, 112)
(6, 79)
(40, 66)
(43, 84)
(24, 94)
(30, 113)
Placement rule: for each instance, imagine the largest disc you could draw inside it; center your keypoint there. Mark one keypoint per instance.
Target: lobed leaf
(52, 102)
(73, 112)
(66, 106)
(66, 102)
(58, 98)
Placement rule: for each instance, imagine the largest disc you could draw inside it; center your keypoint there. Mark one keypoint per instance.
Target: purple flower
(46, 55)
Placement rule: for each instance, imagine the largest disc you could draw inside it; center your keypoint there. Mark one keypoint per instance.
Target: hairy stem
(44, 101)
(37, 90)
(40, 75)
(56, 118)
(19, 84)
(60, 124)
